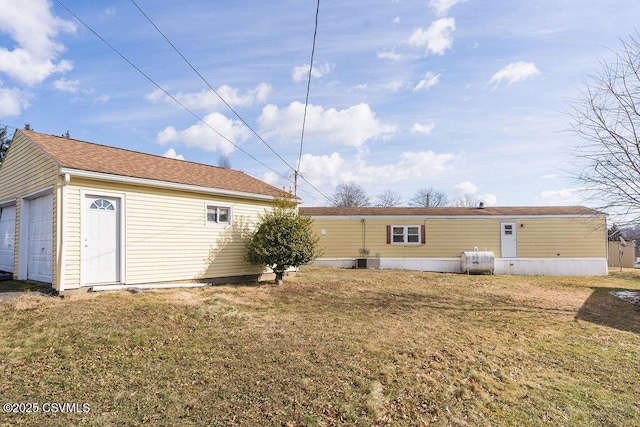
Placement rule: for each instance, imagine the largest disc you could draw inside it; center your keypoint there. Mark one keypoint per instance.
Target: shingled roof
(86, 156)
(451, 211)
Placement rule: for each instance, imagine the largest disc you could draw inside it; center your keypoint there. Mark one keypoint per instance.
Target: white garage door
(40, 239)
(7, 237)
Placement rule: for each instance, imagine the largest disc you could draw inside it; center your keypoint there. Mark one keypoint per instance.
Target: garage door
(7, 237)
(40, 239)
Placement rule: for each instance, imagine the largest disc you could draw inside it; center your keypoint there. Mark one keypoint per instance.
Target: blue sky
(466, 96)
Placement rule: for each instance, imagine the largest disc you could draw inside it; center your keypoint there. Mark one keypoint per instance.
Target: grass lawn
(331, 347)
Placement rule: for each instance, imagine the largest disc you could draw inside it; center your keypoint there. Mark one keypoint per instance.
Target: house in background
(78, 214)
(554, 240)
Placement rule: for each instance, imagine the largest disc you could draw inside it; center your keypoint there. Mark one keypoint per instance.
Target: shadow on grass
(605, 309)
(14, 288)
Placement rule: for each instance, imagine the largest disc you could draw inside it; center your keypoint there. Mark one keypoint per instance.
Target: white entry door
(508, 240)
(100, 240)
(7, 237)
(40, 239)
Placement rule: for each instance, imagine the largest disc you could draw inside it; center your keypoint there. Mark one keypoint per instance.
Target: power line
(306, 101)
(166, 92)
(296, 170)
(209, 85)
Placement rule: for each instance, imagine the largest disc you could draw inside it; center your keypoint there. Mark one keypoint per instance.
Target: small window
(508, 229)
(102, 205)
(218, 215)
(405, 234)
(413, 235)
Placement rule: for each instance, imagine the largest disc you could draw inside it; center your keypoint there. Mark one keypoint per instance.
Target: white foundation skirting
(521, 266)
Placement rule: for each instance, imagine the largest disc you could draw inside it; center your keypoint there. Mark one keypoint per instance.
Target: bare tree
(387, 199)
(466, 201)
(429, 198)
(606, 117)
(224, 162)
(349, 195)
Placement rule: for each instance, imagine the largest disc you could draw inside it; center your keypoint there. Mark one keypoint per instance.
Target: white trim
(38, 193)
(121, 228)
(162, 184)
(217, 206)
(425, 217)
(405, 235)
(63, 232)
(5, 203)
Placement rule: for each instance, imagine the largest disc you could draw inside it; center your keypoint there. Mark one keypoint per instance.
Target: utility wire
(306, 101)
(167, 93)
(209, 85)
(295, 170)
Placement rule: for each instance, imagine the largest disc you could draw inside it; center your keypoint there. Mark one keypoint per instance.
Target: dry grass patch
(333, 347)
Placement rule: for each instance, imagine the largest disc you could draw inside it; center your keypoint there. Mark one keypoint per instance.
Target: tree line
(352, 195)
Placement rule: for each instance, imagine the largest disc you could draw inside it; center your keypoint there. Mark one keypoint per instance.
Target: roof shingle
(87, 156)
(451, 211)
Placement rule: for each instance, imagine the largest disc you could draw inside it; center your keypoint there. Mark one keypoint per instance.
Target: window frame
(405, 234)
(218, 211)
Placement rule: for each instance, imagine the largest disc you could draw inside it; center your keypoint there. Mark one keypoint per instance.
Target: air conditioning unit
(367, 262)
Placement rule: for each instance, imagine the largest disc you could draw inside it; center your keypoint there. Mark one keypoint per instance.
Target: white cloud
(301, 73)
(101, 99)
(66, 85)
(441, 7)
(330, 170)
(487, 199)
(207, 99)
(202, 136)
(396, 85)
(558, 197)
(430, 79)
(466, 187)
(359, 88)
(437, 38)
(12, 101)
(423, 128)
(33, 27)
(515, 72)
(396, 20)
(171, 153)
(352, 126)
(387, 54)
(106, 14)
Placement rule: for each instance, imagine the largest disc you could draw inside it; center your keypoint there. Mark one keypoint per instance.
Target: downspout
(364, 237)
(63, 232)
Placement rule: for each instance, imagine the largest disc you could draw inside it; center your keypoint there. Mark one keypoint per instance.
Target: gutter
(162, 184)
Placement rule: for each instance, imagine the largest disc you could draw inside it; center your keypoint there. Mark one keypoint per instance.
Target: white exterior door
(7, 237)
(40, 239)
(508, 240)
(100, 240)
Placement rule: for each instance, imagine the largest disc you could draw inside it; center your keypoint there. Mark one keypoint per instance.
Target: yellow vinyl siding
(25, 170)
(449, 237)
(562, 237)
(166, 234)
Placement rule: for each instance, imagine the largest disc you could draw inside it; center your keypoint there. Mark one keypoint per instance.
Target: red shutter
(423, 233)
(388, 234)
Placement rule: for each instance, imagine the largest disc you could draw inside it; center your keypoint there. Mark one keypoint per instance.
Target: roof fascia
(425, 217)
(161, 184)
